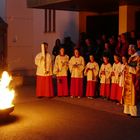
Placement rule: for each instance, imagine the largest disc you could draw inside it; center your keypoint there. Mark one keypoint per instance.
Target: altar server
(105, 77)
(124, 66)
(76, 67)
(43, 61)
(91, 71)
(115, 77)
(61, 70)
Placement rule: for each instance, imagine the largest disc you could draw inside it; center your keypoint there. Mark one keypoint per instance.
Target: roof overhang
(80, 5)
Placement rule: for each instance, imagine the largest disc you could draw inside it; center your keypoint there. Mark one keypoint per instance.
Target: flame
(6, 94)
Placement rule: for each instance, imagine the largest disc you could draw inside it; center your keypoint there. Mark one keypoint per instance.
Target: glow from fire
(6, 94)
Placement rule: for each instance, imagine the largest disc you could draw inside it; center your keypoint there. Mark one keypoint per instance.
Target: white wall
(2, 9)
(20, 35)
(26, 33)
(67, 24)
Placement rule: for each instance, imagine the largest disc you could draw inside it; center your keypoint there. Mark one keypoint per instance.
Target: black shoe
(40, 97)
(134, 116)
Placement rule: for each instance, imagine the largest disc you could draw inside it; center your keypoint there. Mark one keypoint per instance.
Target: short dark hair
(45, 43)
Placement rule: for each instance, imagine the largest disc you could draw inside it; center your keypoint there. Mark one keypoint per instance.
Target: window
(49, 20)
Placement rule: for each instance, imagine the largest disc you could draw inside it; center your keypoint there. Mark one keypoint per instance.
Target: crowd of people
(110, 69)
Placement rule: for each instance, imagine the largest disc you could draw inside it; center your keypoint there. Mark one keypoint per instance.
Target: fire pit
(6, 95)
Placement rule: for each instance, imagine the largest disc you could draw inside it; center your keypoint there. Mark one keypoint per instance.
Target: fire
(6, 94)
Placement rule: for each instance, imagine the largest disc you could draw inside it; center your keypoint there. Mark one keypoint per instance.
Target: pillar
(127, 18)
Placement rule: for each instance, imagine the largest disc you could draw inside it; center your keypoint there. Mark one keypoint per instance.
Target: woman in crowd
(91, 71)
(56, 48)
(60, 70)
(76, 67)
(43, 62)
(107, 52)
(124, 45)
(89, 48)
(118, 45)
(105, 77)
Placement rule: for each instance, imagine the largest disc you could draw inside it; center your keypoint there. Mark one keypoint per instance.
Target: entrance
(3, 44)
(104, 24)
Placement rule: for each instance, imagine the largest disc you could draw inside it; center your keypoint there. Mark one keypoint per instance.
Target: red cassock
(76, 87)
(62, 86)
(119, 94)
(115, 89)
(105, 75)
(76, 66)
(121, 83)
(60, 70)
(105, 90)
(91, 71)
(44, 84)
(114, 95)
(91, 89)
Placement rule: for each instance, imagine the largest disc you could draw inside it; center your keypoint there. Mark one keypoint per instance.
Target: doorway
(104, 24)
(3, 44)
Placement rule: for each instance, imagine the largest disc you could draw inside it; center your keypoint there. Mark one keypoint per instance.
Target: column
(127, 18)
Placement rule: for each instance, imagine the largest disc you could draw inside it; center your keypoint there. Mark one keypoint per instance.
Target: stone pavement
(27, 94)
(66, 119)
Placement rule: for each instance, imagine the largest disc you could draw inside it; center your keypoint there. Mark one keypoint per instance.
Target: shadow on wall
(3, 43)
(71, 29)
(22, 77)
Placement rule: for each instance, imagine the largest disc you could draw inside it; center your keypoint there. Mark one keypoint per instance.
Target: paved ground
(66, 119)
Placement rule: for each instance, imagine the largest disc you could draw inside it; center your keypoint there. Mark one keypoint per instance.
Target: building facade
(26, 31)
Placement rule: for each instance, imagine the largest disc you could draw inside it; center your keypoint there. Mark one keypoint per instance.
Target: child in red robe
(76, 67)
(105, 77)
(91, 71)
(43, 61)
(60, 70)
(115, 77)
